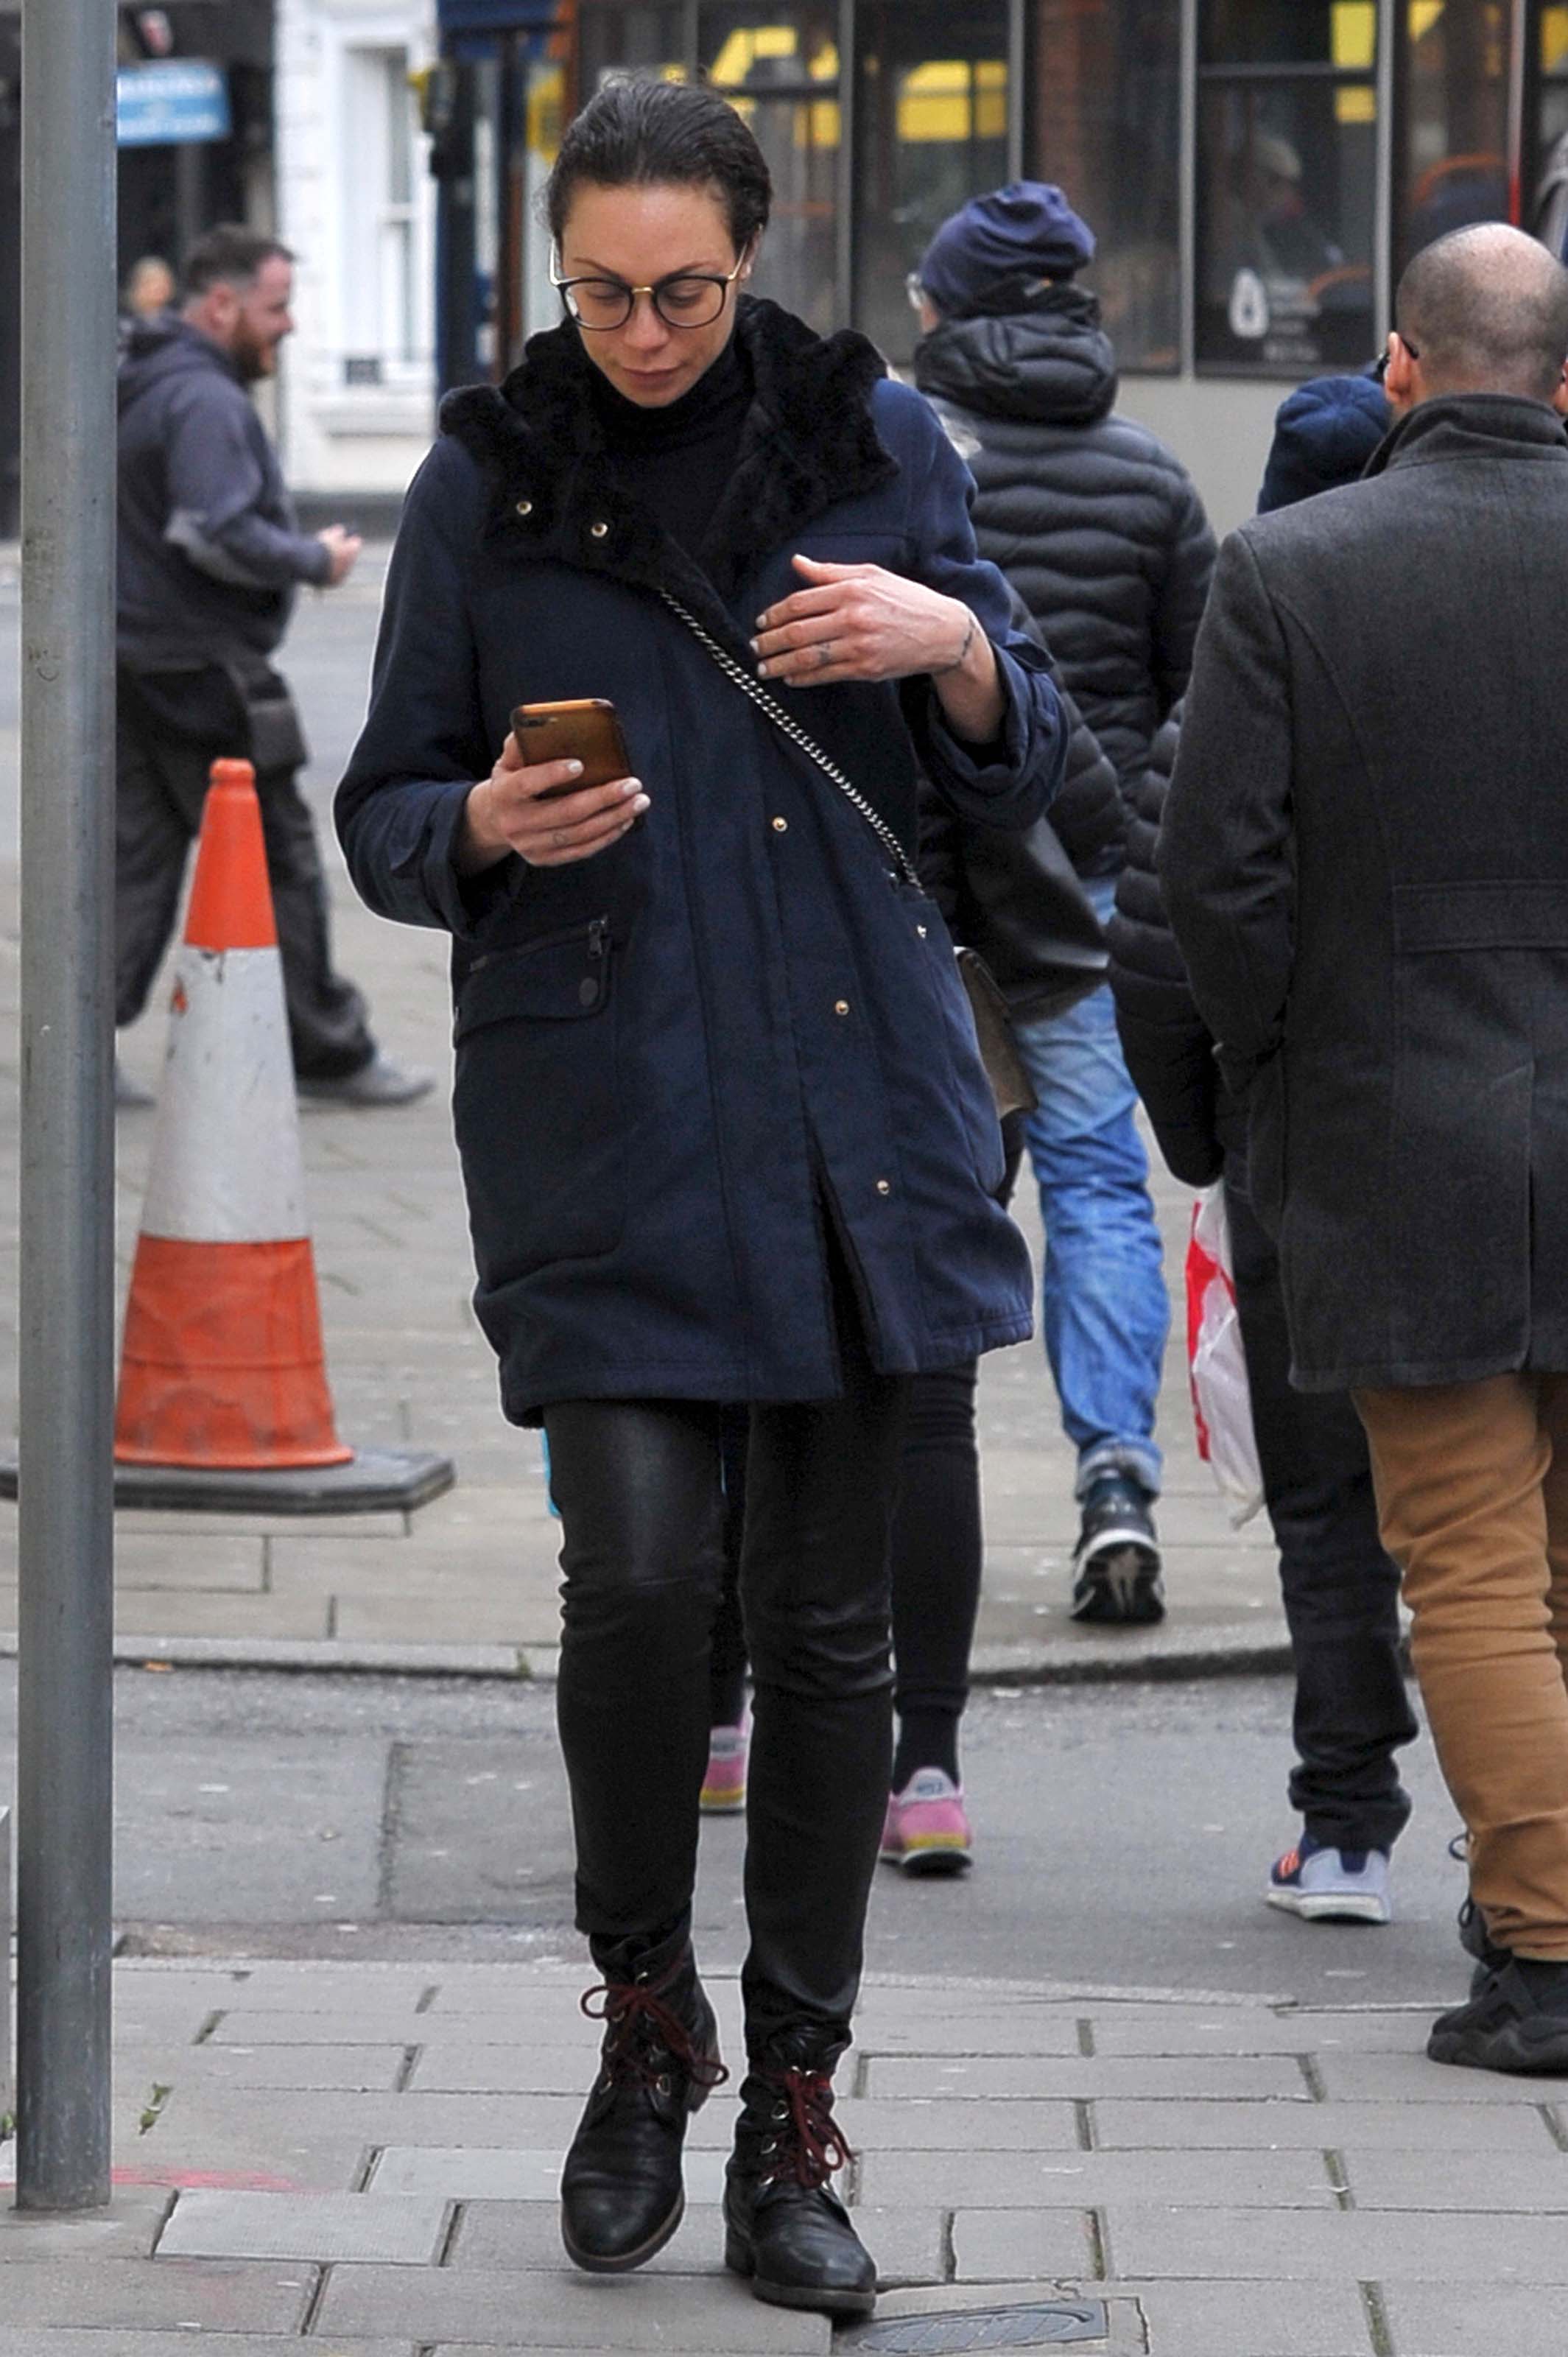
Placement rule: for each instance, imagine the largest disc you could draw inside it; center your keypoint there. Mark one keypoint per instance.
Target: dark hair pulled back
(640, 132)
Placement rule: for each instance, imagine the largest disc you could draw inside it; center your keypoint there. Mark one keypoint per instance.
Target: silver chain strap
(797, 735)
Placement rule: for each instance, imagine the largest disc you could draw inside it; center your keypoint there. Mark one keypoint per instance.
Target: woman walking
(725, 1136)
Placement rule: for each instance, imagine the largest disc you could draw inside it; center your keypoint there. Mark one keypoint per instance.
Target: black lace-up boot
(621, 2190)
(784, 2226)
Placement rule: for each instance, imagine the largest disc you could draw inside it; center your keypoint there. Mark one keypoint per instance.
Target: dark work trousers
(638, 1487)
(1342, 1590)
(171, 727)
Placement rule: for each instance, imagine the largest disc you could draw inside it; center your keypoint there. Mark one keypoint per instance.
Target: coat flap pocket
(560, 979)
(1511, 913)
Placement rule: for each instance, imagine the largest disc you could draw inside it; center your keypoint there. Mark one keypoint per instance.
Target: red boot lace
(642, 2032)
(809, 2145)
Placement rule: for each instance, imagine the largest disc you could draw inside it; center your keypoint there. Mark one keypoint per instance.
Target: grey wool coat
(1364, 856)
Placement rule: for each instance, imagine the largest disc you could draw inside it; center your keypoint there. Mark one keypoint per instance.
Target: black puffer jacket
(1166, 1043)
(1093, 521)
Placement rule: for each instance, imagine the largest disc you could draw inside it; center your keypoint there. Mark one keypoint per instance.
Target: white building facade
(356, 203)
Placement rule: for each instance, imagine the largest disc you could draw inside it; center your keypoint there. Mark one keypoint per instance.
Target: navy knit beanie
(1324, 434)
(1023, 232)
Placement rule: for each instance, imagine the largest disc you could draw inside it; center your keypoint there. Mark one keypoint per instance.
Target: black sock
(727, 1698)
(1546, 1978)
(927, 1738)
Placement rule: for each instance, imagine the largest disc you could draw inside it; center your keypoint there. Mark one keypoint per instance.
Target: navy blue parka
(676, 1060)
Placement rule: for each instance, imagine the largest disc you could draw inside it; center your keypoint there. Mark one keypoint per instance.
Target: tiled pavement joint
(1334, 2165)
(1377, 2330)
(1099, 2233)
(449, 2236)
(1314, 2077)
(1083, 2123)
(948, 2247)
(1085, 2037)
(1554, 2128)
(313, 2308)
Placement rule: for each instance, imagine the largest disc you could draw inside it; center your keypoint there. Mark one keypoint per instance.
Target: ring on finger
(825, 653)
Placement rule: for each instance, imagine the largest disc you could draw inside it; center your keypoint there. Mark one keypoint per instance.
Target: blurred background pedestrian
(1101, 534)
(1340, 1587)
(209, 561)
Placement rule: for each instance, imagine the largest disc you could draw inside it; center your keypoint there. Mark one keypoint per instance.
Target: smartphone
(585, 731)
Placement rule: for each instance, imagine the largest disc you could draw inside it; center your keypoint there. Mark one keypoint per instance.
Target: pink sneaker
(927, 1831)
(723, 1786)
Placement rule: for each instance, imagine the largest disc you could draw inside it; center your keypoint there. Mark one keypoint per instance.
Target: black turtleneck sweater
(676, 461)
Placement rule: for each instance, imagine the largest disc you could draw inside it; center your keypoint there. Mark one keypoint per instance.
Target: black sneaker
(1516, 2021)
(1116, 1563)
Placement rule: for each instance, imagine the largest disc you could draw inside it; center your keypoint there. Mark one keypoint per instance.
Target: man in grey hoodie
(209, 560)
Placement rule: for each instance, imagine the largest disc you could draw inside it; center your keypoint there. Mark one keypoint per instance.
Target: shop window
(1104, 120)
(1452, 69)
(630, 40)
(779, 68)
(1286, 149)
(933, 133)
(384, 323)
(1548, 215)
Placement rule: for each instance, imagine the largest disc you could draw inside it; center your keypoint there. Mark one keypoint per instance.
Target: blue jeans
(1106, 1310)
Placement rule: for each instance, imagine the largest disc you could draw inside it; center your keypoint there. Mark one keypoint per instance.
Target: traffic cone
(222, 1366)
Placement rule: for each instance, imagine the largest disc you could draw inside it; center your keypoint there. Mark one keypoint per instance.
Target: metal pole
(64, 1788)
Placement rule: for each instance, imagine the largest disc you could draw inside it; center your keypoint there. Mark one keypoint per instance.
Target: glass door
(933, 133)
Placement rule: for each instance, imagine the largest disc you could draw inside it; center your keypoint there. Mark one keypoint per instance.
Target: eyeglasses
(685, 300)
(1380, 365)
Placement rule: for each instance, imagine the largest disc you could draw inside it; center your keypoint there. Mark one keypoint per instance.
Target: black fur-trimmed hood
(808, 441)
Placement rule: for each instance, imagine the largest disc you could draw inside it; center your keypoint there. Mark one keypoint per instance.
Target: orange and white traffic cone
(222, 1366)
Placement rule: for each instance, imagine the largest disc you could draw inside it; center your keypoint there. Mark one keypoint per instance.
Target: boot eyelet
(780, 2112)
(771, 2146)
(663, 2083)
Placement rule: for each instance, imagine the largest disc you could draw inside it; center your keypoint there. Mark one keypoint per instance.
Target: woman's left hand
(858, 621)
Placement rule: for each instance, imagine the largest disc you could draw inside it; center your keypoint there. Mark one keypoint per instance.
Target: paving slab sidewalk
(1206, 2178)
(468, 1585)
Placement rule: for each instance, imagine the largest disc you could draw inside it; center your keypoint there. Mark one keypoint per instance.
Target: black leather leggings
(638, 1484)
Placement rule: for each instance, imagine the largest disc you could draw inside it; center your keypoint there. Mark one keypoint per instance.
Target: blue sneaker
(1334, 1886)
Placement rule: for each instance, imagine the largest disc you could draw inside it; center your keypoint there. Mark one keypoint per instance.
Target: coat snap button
(598, 530)
(882, 1188)
(922, 931)
(841, 1006)
(780, 826)
(587, 992)
(525, 507)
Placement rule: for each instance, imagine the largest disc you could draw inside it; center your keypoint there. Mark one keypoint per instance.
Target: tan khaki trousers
(1472, 1486)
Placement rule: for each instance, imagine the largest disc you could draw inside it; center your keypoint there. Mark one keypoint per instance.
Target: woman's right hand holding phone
(508, 811)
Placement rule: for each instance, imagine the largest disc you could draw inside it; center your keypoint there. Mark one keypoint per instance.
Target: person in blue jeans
(1106, 1310)
(1103, 538)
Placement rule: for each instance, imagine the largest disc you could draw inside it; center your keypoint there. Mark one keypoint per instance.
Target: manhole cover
(1042, 2324)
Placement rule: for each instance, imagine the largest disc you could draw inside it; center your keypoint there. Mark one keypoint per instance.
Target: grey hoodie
(210, 556)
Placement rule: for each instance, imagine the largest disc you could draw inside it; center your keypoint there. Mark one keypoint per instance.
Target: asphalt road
(1124, 1836)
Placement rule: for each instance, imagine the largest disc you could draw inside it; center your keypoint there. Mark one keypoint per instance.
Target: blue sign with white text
(173, 102)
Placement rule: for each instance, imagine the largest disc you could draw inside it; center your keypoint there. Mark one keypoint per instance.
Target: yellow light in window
(935, 101)
(1554, 39)
(747, 45)
(546, 92)
(1423, 16)
(1356, 105)
(1353, 33)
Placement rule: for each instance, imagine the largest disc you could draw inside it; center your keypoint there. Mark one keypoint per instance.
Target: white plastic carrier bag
(1221, 1397)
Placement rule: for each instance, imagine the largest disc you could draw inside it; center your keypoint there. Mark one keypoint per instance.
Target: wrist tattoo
(962, 655)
